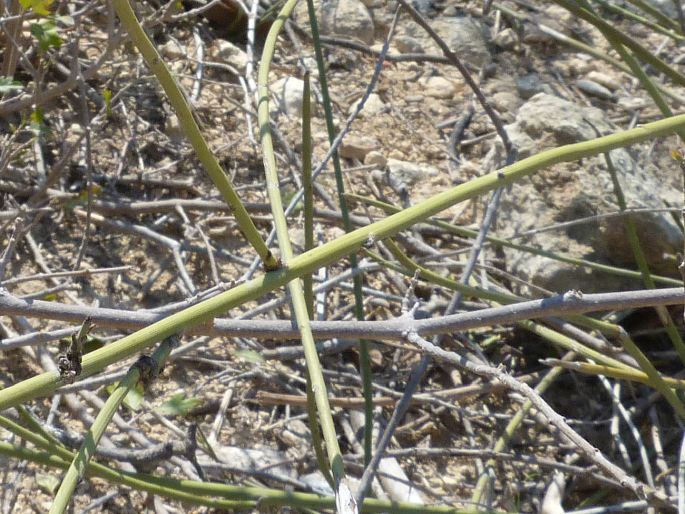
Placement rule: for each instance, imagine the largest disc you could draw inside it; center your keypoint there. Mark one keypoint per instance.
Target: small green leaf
(178, 405)
(92, 344)
(39, 6)
(37, 124)
(133, 400)
(48, 483)
(7, 85)
(46, 34)
(50, 297)
(107, 96)
(250, 356)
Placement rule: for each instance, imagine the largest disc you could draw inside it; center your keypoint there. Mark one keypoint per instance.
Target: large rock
(227, 53)
(464, 35)
(580, 189)
(349, 19)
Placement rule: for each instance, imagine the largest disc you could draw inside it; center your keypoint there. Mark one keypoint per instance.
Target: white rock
(288, 93)
(227, 53)
(409, 172)
(172, 50)
(172, 128)
(373, 106)
(439, 87)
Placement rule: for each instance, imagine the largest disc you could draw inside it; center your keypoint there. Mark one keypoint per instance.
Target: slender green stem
(357, 281)
(655, 378)
(212, 494)
(79, 465)
(318, 385)
(308, 188)
(307, 281)
(633, 375)
(332, 251)
(187, 121)
(656, 13)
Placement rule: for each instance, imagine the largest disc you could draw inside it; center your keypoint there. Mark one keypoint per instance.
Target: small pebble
(603, 79)
(439, 87)
(506, 39)
(357, 147)
(592, 88)
(375, 158)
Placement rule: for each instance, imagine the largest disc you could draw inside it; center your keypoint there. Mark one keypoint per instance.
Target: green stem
(299, 304)
(641, 260)
(212, 494)
(79, 465)
(308, 189)
(631, 230)
(357, 281)
(187, 121)
(656, 13)
(633, 375)
(307, 281)
(330, 252)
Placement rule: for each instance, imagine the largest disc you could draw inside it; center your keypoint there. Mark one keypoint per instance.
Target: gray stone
(375, 158)
(348, 18)
(225, 52)
(410, 173)
(439, 87)
(631, 103)
(574, 190)
(604, 79)
(172, 50)
(529, 85)
(465, 36)
(592, 88)
(408, 45)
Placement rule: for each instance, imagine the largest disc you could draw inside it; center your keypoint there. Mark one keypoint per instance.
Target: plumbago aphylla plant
(567, 324)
